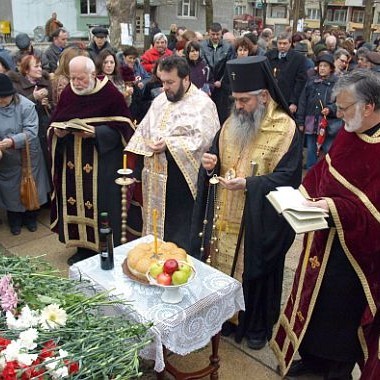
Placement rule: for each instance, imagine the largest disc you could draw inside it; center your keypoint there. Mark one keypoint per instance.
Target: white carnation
(27, 338)
(27, 318)
(52, 317)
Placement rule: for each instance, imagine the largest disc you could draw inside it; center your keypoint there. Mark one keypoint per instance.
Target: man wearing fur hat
(247, 231)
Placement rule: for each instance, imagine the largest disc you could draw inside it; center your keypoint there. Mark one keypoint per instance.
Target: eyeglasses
(343, 61)
(344, 109)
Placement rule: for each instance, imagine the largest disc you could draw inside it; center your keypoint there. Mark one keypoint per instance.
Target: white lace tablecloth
(209, 300)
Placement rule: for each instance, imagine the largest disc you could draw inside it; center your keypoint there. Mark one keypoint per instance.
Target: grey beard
(85, 91)
(245, 125)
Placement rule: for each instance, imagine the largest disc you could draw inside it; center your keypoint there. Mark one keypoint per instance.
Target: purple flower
(8, 296)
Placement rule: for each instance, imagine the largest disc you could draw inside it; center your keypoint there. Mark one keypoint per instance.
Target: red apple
(170, 266)
(164, 279)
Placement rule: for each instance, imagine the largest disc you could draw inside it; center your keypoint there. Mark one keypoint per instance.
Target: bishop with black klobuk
(257, 149)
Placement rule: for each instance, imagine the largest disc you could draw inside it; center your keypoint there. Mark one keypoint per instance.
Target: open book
(289, 202)
(73, 125)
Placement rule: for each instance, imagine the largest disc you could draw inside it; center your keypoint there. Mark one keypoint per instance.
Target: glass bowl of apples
(171, 275)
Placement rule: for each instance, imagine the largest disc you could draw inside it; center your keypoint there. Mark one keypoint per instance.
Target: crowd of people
(211, 123)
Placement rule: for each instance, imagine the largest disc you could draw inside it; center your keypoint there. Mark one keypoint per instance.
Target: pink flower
(8, 296)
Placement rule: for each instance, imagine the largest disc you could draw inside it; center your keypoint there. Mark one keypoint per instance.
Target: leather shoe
(16, 230)
(228, 328)
(256, 344)
(298, 368)
(32, 227)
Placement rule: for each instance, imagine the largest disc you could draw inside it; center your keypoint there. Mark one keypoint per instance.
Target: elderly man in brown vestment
(84, 164)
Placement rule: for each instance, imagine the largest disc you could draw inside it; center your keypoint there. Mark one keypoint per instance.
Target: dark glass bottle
(106, 243)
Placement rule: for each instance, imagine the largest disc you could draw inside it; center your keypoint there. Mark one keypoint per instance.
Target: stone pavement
(237, 360)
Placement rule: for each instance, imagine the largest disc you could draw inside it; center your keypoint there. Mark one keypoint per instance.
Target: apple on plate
(170, 266)
(183, 267)
(155, 269)
(180, 277)
(164, 279)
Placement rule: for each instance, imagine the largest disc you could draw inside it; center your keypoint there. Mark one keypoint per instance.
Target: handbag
(28, 188)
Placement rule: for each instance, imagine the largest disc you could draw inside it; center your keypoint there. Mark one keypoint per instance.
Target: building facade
(79, 16)
(346, 15)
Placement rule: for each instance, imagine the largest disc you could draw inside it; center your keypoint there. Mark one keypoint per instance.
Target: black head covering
(254, 73)
(328, 58)
(6, 86)
(99, 31)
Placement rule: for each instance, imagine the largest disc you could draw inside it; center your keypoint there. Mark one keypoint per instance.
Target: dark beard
(245, 125)
(176, 97)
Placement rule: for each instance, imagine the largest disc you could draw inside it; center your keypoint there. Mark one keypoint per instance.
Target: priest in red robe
(332, 315)
(85, 164)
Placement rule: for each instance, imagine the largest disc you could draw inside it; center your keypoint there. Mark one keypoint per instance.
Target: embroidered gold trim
(314, 262)
(72, 201)
(363, 343)
(70, 165)
(362, 196)
(87, 168)
(374, 139)
(89, 205)
(338, 224)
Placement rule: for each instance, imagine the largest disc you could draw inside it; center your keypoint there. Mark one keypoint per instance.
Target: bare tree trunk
(265, 5)
(209, 13)
(368, 18)
(120, 11)
(323, 14)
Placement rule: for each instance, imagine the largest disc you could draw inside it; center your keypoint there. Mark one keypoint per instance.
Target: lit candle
(155, 216)
(125, 160)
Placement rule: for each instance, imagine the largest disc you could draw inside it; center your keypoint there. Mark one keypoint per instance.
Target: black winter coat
(290, 73)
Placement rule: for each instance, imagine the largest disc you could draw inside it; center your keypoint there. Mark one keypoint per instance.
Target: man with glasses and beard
(85, 164)
(332, 316)
(246, 228)
(176, 131)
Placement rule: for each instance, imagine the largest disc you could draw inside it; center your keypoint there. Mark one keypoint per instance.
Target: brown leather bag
(28, 188)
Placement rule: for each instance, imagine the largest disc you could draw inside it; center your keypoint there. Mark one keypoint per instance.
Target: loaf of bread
(141, 257)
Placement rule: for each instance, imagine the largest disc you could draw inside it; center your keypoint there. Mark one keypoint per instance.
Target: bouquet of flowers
(50, 328)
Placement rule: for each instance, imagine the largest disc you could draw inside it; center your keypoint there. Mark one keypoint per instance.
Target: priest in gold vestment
(258, 149)
(178, 128)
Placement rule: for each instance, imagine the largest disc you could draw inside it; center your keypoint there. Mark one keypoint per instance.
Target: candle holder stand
(124, 182)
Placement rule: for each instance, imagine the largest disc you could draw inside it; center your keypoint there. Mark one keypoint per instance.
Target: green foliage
(97, 333)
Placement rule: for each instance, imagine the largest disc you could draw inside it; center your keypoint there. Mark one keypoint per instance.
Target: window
(357, 16)
(313, 14)
(186, 8)
(88, 7)
(278, 11)
(340, 15)
(240, 9)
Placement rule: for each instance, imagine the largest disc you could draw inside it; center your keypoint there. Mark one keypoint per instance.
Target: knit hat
(6, 86)
(319, 48)
(301, 47)
(22, 41)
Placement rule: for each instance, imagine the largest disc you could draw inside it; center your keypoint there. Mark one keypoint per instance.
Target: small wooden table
(209, 300)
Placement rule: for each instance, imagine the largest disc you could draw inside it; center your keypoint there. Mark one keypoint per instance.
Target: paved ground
(237, 360)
